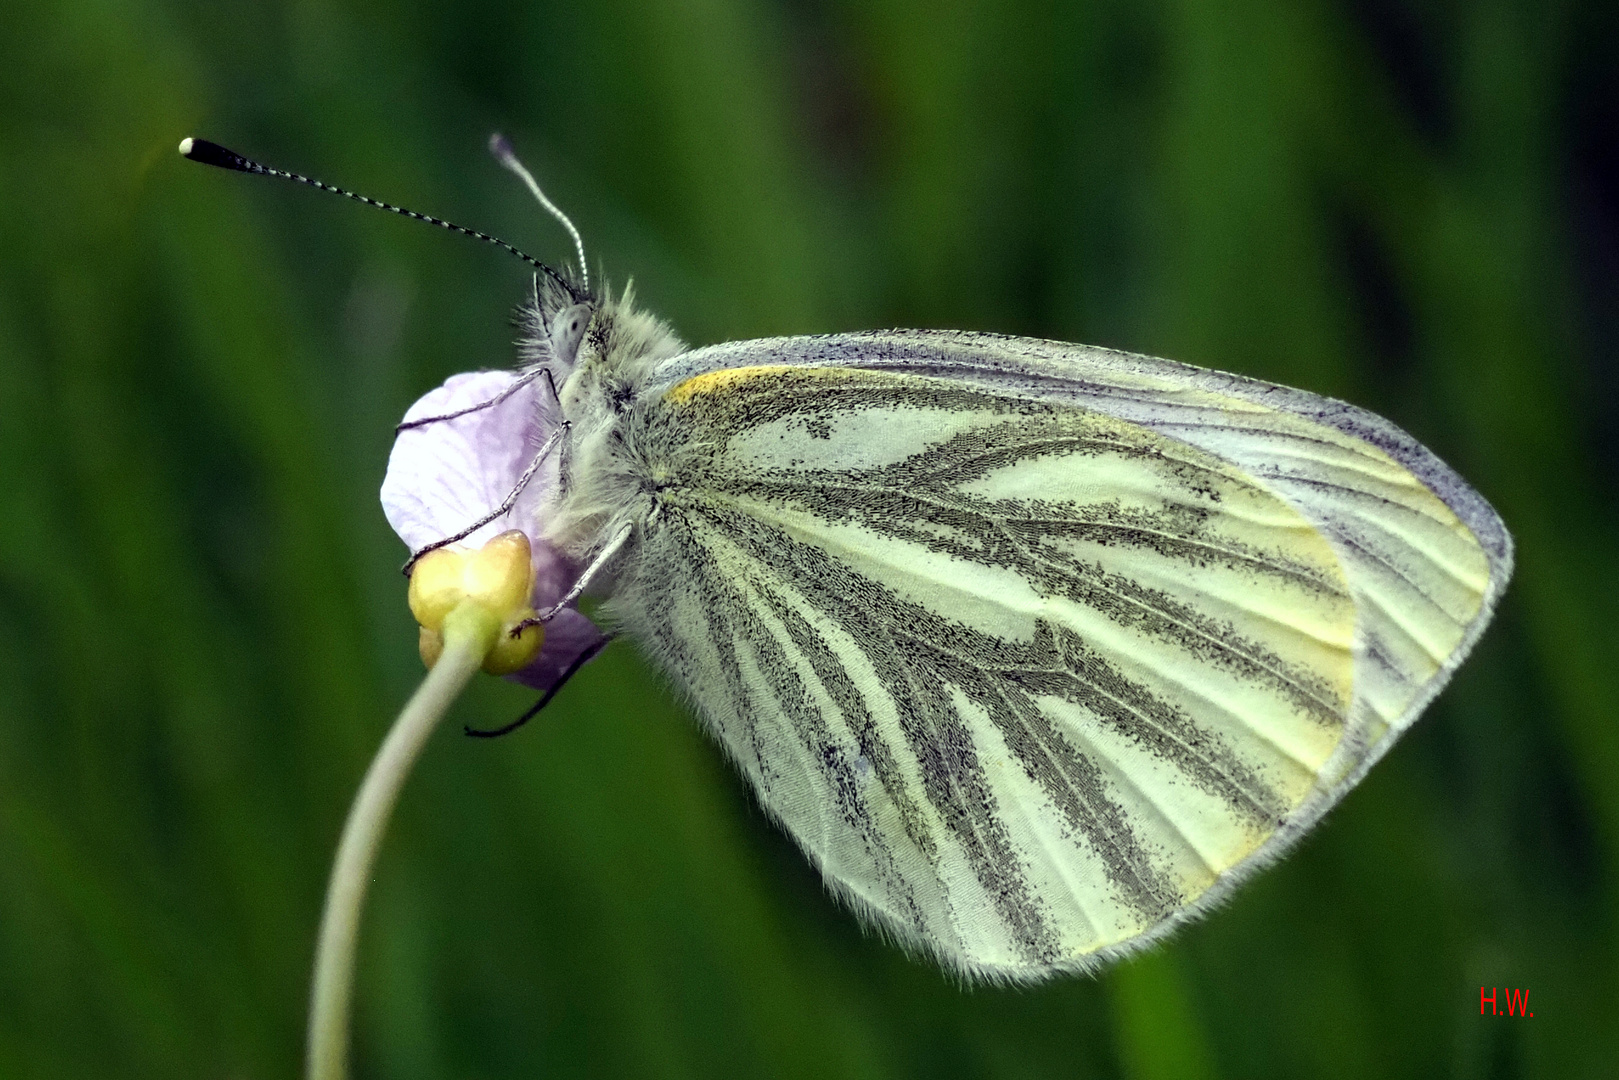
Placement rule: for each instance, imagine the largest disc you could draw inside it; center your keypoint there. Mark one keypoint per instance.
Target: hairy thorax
(606, 479)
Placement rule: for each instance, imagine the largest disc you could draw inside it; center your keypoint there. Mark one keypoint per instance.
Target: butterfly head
(594, 345)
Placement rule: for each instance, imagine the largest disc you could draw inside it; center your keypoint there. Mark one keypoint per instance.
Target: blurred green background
(1411, 204)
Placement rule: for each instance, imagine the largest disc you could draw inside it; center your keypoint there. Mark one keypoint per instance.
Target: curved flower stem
(469, 633)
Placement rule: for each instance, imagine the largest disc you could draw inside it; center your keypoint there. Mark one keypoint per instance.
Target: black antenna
(211, 153)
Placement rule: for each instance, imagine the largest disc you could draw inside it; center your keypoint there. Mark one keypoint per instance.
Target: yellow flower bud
(435, 586)
(515, 653)
(500, 575)
(430, 643)
(488, 587)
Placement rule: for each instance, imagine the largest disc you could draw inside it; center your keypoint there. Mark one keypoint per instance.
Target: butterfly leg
(506, 504)
(423, 421)
(579, 586)
(545, 699)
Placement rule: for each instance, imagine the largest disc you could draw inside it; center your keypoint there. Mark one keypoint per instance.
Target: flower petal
(444, 476)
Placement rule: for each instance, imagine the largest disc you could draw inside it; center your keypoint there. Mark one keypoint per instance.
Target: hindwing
(1028, 680)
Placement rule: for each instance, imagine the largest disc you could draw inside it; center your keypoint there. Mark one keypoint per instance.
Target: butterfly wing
(1028, 680)
(1414, 538)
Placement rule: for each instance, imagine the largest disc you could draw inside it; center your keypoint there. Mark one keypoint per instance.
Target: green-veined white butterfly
(1037, 650)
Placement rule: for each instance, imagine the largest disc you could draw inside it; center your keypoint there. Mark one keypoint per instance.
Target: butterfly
(1037, 650)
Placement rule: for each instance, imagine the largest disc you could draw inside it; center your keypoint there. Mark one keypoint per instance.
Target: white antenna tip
(504, 154)
(185, 147)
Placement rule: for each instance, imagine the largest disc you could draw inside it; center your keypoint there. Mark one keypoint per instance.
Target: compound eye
(568, 330)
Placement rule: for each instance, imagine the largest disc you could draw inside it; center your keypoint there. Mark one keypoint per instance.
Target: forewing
(1027, 680)
(1425, 556)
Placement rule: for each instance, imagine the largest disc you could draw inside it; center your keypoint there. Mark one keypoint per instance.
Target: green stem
(469, 633)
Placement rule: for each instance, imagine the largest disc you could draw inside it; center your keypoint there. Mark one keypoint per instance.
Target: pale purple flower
(444, 476)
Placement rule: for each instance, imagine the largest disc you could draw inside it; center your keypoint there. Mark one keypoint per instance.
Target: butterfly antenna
(210, 153)
(502, 149)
